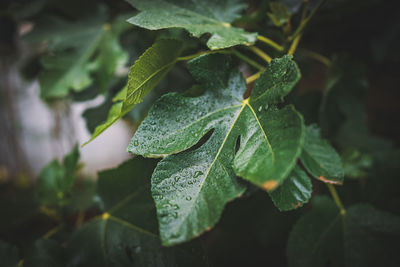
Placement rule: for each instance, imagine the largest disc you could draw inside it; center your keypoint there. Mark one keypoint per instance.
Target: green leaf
(365, 236)
(56, 180)
(320, 159)
(71, 55)
(191, 188)
(294, 192)
(198, 18)
(45, 252)
(315, 239)
(145, 74)
(8, 255)
(279, 13)
(126, 233)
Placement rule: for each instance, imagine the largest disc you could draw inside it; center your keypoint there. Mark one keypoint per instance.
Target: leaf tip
(269, 185)
(328, 181)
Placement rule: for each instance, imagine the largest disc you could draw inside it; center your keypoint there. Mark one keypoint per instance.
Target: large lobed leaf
(144, 75)
(191, 187)
(126, 233)
(209, 16)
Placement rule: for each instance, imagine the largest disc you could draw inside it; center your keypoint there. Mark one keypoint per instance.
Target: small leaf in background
(126, 233)
(214, 17)
(320, 159)
(56, 179)
(183, 184)
(294, 192)
(75, 50)
(279, 13)
(144, 75)
(8, 255)
(364, 236)
(356, 164)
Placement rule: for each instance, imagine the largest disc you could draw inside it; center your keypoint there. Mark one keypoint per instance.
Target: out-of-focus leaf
(145, 74)
(8, 255)
(355, 164)
(294, 192)
(56, 180)
(184, 184)
(279, 13)
(315, 239)
(45, 252)
(343, 115)
(126, 233)
(198, 18)
(364, 236)
(320, 159)
(74, 51)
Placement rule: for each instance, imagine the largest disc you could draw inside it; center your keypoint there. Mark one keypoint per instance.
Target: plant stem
(189, 57)
(253, 77)
(261, 54)
(247, 60)
(270, 42)
(305, 20)
(318, 57)
(52, 231)
(294, 45)
(336, 198)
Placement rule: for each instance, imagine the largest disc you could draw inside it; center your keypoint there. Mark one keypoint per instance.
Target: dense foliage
(238, 160)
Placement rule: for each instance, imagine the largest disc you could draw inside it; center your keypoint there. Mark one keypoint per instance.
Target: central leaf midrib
(264, 134)
(146, 80)
(213, 162)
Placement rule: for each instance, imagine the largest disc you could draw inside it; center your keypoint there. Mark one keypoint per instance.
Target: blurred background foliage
(354, 100)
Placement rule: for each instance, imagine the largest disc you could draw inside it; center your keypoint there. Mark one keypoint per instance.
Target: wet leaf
(198, 18)
(294, 192)
(192, 187)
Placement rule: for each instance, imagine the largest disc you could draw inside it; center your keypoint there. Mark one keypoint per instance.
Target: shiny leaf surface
(294, 192)
(198, 18)
(192, 187)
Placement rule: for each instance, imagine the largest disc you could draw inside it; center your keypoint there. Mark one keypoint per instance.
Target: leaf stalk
(336, 198)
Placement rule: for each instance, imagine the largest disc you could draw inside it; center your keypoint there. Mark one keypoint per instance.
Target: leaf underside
(144, 75)
(191, 187)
